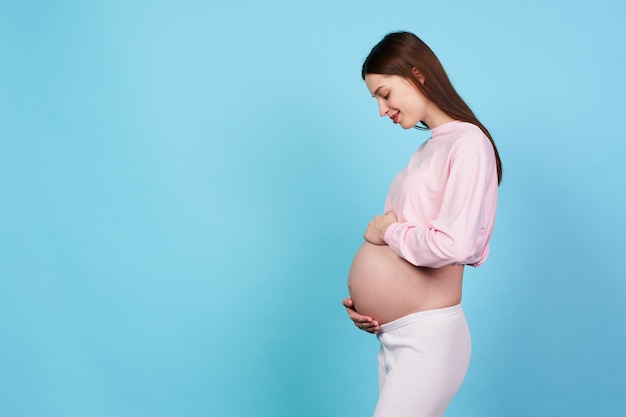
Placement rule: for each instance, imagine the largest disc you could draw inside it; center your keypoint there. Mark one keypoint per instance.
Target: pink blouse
(445, 199)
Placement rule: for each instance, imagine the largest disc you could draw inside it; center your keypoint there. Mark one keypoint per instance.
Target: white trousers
(422, 362)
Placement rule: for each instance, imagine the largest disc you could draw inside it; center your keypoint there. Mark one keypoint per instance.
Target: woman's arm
(460, 232)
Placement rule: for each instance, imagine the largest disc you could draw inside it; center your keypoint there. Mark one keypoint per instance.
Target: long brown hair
(403, 53)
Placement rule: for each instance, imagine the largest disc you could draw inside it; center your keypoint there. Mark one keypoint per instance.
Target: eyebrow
(376, 92)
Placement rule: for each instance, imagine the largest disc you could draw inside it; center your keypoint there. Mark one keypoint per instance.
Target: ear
(419, 75)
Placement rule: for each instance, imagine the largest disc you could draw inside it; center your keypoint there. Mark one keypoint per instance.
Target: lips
(395, 117)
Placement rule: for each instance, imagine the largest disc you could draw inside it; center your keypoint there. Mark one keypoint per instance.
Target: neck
(437, 117)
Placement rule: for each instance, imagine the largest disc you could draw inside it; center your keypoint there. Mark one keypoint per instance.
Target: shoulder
(467, 132)
(467, 137)
(457, 130)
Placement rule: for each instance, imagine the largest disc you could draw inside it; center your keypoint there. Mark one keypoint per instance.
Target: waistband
(419, 316)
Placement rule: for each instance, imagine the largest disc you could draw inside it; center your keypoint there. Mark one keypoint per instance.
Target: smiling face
(402, 102)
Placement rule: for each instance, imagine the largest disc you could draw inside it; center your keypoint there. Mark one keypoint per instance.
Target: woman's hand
(376, 229)
(362, 322)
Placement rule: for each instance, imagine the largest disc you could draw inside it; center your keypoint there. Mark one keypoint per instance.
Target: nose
(383, 109)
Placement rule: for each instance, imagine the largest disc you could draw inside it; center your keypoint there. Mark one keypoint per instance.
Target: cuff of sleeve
(390, 231)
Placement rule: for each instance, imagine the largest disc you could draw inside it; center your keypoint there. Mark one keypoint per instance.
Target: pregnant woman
(405, 281)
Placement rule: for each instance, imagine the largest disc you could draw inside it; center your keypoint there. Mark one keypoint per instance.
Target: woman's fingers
(364, 323)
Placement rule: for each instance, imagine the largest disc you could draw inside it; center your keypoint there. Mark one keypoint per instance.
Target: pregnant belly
(386, 287)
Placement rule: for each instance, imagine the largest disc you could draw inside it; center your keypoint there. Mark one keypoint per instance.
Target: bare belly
(386, 287)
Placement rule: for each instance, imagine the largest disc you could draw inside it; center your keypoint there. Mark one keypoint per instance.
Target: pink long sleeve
(445, 199)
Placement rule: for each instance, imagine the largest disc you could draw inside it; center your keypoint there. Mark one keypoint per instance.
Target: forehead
(376, 81)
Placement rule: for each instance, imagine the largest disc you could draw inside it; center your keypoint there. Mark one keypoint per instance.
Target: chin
(408, 125)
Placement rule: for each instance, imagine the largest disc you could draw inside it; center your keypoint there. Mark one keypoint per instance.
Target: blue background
(184, 183)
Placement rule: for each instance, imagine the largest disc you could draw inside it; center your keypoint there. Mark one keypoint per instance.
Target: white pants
(422, 361)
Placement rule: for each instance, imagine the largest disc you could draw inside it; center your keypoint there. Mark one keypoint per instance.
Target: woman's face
(398, 99)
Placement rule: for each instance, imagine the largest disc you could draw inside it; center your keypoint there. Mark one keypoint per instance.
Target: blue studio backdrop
(184, 183)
